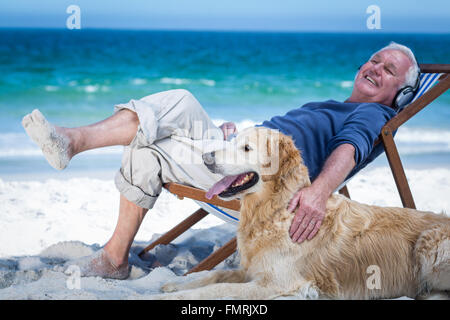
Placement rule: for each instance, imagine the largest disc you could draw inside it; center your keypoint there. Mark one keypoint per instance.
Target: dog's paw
(169, 287)
(172, 296)
(160, 297)
(308, 292)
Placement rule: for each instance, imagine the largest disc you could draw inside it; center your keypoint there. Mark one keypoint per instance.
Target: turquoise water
(75, 77)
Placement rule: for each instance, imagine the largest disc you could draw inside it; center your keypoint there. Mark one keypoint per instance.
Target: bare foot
(55, 145)
(100, 265)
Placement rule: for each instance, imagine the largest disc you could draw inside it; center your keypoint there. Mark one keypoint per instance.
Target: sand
(46, 224)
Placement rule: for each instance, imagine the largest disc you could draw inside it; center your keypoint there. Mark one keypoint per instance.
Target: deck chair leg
(217, 257)
(177, 230)
(397, 169)
(344, 191)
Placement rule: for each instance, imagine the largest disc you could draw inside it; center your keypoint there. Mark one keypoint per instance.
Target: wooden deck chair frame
(386, 137)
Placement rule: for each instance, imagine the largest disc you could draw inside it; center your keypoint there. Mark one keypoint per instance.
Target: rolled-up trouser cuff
(133, 193)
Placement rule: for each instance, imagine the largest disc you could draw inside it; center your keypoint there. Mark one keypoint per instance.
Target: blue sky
(263, 15)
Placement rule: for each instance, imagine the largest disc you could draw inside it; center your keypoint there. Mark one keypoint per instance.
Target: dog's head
(257, 155)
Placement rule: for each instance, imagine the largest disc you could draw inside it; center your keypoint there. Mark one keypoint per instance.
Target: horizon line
(378, 31)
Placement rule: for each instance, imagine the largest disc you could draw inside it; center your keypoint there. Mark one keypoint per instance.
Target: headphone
(405, 94)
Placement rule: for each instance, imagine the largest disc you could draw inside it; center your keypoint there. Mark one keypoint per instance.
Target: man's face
(379, 79)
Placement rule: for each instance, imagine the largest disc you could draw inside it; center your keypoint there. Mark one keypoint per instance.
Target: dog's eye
(247, 148)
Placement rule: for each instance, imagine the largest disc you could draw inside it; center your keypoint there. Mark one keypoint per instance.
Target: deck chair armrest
(198, 194)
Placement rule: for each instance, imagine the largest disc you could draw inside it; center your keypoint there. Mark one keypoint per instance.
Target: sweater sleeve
(360, 129)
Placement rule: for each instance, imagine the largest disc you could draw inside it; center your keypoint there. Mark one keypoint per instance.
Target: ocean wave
(419, 135)
(346, 84)
(89, 88)
(208, 82)
(51, 88)
(94, 88)
(33, 152)
(20, 145)
(409, 141)
(29, 152)
(138, 81)
(179, 81)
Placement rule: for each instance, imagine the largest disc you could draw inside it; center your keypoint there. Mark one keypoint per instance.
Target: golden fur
(408, 250)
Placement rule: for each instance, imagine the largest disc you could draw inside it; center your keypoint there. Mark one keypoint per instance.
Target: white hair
(413, 71)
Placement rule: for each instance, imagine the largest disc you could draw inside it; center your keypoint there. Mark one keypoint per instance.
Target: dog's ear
(286, 161)
(289, 155)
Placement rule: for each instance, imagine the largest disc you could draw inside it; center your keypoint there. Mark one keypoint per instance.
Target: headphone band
(406, 94)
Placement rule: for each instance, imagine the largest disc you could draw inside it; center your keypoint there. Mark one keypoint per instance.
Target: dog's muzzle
(209, 160)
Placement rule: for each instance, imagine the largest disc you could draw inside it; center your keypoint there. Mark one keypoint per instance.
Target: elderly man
(336, 140)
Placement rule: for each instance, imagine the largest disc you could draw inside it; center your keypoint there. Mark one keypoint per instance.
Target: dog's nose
(208, 158)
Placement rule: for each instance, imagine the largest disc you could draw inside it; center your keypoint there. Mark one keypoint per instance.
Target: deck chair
(435, 80)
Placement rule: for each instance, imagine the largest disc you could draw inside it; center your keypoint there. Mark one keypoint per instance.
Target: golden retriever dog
(359, 252)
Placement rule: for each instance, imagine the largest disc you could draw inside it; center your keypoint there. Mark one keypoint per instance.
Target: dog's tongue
(218, 187)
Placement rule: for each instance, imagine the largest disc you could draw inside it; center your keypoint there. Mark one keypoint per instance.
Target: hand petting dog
(309, 215)
(312, 201)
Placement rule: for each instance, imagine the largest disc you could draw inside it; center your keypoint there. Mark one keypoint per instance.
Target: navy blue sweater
(319, 127)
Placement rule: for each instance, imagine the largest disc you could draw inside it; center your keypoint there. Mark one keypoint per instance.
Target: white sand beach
(45, 224)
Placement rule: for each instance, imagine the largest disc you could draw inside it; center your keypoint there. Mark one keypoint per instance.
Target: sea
(75, 77)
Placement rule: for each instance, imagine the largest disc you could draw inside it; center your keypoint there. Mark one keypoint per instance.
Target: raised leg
(60, 144)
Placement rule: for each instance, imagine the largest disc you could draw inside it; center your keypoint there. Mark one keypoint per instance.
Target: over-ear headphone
(405, 94)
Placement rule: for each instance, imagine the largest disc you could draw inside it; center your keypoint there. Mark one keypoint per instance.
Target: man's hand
(227, 129)
(309, 215)
(312, 200)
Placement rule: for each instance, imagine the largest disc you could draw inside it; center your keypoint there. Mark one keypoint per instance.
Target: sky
(235, 15)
